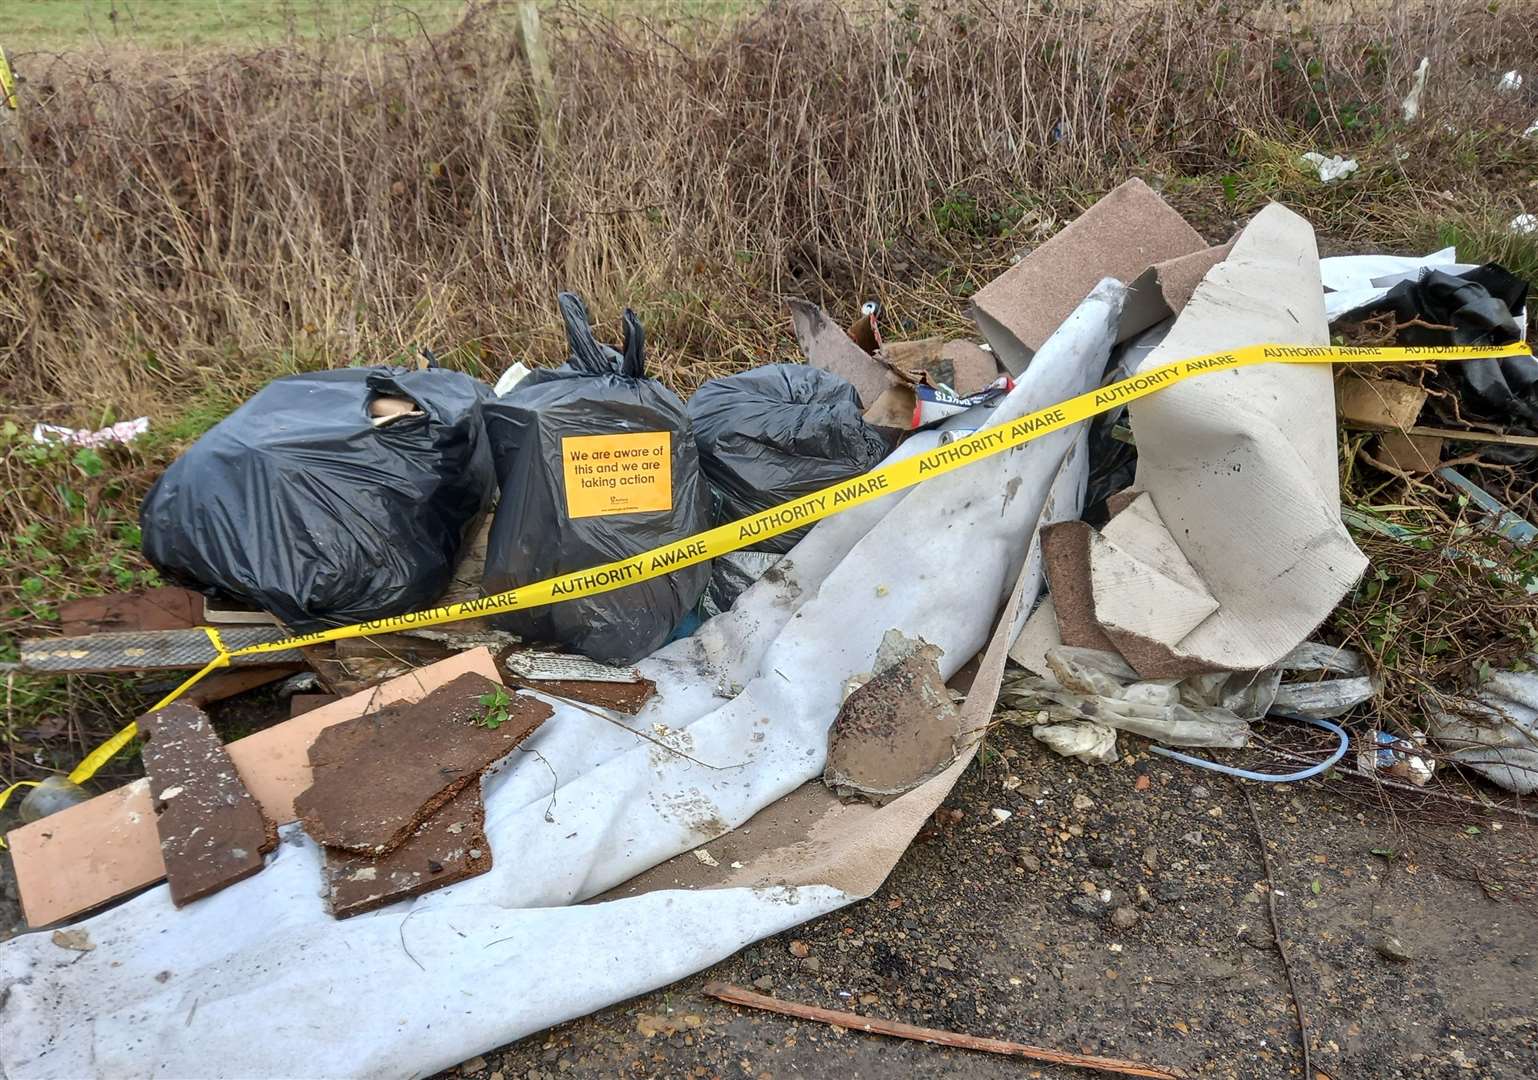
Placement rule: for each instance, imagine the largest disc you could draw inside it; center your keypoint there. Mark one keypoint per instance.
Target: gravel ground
(1122, 911)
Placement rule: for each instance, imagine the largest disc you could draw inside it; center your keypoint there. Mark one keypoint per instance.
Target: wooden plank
(106, 848)
(226, 684)
(300, 704)
(166, 608)
(532, 37)
(158, 650)
(1457, 435)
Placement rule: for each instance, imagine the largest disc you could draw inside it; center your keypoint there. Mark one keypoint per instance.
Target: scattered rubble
(872, 654)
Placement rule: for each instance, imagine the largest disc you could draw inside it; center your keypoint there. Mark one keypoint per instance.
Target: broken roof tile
(450, 846)
(380, 776)
(212, 833)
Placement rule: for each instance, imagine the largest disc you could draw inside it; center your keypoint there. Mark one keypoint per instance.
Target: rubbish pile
(538, 640)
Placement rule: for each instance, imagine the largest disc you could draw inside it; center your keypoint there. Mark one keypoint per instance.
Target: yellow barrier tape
(93, 761)
(7, 86)
(820, 504)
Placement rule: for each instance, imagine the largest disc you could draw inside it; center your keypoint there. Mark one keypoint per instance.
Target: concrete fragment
(1379, 404)
(895, 731)
(1120, 236)
(379, 777)
(212, 832)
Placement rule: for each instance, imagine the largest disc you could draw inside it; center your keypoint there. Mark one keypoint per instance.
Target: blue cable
(1269, 778)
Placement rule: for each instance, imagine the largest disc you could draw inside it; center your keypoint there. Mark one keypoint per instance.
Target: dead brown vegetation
(189, 226)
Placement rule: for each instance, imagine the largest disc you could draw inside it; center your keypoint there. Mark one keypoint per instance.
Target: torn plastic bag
(1496, 733)
(1098, 687)
(730, 576)
(1113, 461)
(775, 433)
(1484, 306)
(596, 463)
(305, 504)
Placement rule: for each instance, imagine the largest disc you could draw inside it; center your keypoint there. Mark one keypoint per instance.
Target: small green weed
(496, 703)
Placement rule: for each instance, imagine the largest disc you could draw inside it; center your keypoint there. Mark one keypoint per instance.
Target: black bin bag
(778, 432)
(596, 463)
(299, 503)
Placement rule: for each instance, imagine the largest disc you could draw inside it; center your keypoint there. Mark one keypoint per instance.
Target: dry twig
(1276, 930)
(736, 995)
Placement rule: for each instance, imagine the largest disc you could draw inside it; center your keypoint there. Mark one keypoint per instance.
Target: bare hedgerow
(185, 224)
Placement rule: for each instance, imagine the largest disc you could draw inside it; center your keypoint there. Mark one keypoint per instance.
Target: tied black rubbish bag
(596, 463)
(306, 504)
(778, 432)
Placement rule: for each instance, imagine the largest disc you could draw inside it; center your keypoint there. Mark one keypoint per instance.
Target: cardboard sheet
(100, 850)
(1240, 468)
(828, 346)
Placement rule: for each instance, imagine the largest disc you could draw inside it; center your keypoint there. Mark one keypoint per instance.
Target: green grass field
(61, 25)
(55, 25)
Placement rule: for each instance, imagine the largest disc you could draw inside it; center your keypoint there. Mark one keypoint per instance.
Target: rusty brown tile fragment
(212, 832)
(450, 846)
(380, 776)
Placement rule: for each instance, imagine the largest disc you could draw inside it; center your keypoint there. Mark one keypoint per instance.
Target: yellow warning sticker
(618, 474)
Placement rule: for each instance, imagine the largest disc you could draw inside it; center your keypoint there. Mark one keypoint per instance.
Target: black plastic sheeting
(599, 391)
(778, 432)
(1481, 307)
(1113, 461)
(296, 503)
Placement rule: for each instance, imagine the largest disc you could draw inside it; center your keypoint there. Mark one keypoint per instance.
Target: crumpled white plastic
(1500, 738)
(123, 432)
(1098, 689)
(1330, 169)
